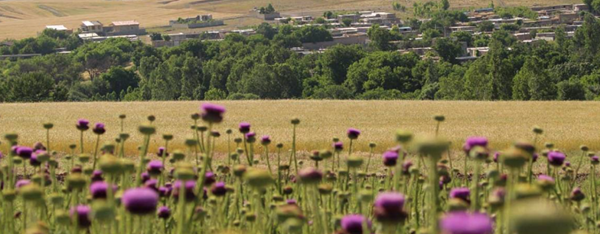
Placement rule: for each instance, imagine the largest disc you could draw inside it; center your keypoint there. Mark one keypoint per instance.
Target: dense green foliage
(263, 66)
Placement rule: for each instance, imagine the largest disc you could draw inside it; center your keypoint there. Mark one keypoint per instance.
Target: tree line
(263, 66)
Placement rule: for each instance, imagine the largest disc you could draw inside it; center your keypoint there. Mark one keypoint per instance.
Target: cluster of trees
(263, 66)
(267, 10)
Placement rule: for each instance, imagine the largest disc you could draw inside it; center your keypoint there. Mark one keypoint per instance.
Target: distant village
(346, 29)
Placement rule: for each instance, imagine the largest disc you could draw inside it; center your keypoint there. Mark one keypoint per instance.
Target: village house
(59, 28)
(354, 17)
(580, 7)
(92, 27)
(130, 27)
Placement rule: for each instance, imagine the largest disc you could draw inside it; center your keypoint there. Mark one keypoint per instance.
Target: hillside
(24, 18)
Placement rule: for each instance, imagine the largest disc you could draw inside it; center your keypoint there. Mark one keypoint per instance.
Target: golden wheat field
(24, 18)
(567, 124)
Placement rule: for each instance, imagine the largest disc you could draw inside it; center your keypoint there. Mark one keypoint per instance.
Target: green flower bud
(325, 189)
(84, 158)
(403, 136)
(514, 158)
(184, 171)
(102, 211)
(11, 136)
(536, 215)
(190, 142)
(295, 121)
(17, 160)
(178, 155)
(9, 195)
(147, 129)
(456, 204)
(31, 192)
(48, 125)
(76, 181)
(56, 199)
(110, 164)
(258, 178)
(239, 170)
(127, 165)
(108, 147)
(537, 130)
(354, 161)
(62, 217)
(439, 118)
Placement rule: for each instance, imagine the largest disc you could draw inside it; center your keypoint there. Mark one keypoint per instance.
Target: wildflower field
(299, 167)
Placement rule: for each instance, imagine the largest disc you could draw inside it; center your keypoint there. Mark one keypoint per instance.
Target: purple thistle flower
(534, 157)
(165, 191)
(22, 183)
(33, 161)
(545, 178)
(189, 190)
(83, 215)
(97, 176)
(496, 156)
(219, 189)
(577, 195)
(209, 178)
(353, 133)
(164, 212)
(406, 167)
(310, 175)
(390, 158)
(353, 224)
(251, 136)
(461, 193)
(39, 146)
(388, 207)
(99, 129)
(466, 223)
(475, 141)
(291, 202)
(145, 176)
(595, 159)
(338, 146)
(152, 184)
(155, 167)
(212, 113)
(567, 164)
(140, 200)
(556, 158)
(265, 140)
(244, 127)
(83, 124)
(15, 149)
(162, 152)
(99, 189)
(24, 152)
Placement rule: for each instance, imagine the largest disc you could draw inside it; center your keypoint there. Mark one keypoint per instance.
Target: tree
(485, 26)
(312, 34)
(31, 87)
(463, 36)
(570, 90)
(380, 38)
(431, 33)
(333, 64)
(120, 79)
(347, 22)
(447, 49)
(444, 4)
(328, 14)
(266, 30)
